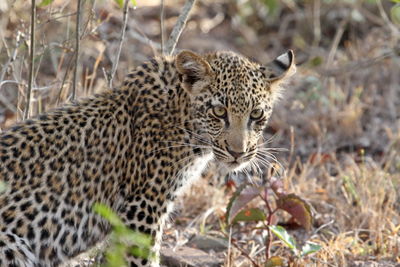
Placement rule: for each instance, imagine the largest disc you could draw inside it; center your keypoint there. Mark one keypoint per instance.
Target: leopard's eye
(219, 111)
(256, 114)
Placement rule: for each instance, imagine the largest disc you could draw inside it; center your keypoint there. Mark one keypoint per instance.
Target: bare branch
(357, 65)
(244, 253)
(121, 40)
(392, 27)
(31, 58)
(6, 102)
(137, 34)
(64, 79)
(77, 48)
(11, 56)
(336, 40)
(178, 28)
(162, 27)
(141, 38)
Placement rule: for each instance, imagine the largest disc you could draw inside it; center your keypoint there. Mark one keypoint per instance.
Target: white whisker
(175, 146)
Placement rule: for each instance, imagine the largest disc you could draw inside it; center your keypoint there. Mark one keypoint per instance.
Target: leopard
(134, 148)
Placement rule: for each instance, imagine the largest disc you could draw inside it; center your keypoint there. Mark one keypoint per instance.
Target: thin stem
(291, 153)
(336, 40)
(31, 58)
(162, 27)
(137, 35)
(229, 256)
(317, 22)
(178, 28)
(3, 100)
(69, 64)
(77, 48)
(269, 239)
(121, 40)
(244, 253)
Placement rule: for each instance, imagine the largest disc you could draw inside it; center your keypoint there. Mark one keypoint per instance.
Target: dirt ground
(338, 121)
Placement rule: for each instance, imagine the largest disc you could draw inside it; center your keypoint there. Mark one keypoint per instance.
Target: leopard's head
(232, 99)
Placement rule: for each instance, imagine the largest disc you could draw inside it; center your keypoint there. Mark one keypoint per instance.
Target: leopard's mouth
(230, 161)
(242, 162)
(234, 165)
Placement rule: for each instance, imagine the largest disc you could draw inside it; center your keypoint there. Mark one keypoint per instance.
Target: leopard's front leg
(146, 216)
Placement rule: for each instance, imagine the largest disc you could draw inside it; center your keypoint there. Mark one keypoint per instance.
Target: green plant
(2, 187)
(123, 241)
(238, 210)
(121, 3)
(395, 12)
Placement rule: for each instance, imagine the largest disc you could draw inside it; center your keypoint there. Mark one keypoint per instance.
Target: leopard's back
(55, 167)
(134, 149)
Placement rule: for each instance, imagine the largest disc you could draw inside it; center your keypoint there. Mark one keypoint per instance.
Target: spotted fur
(133, 148)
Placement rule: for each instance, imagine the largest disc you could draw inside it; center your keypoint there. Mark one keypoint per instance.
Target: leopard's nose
(236, 154)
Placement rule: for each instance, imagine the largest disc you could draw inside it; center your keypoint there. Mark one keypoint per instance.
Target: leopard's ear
(280, 68)
(195, 70)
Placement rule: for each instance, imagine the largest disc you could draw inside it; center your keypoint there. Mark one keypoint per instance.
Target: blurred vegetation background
(339, 119)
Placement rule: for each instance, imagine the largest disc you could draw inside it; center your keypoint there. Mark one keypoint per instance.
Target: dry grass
(339, 119)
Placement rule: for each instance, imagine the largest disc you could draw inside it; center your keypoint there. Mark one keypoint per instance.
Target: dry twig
(77, 47)
(162, 27)
(120, 41)
(178, 28)
(244, 253)
(19, 39)
(4, 100)
(336, 40)
(31, 63)
(357, 65)
(64, 79)
(142, 37)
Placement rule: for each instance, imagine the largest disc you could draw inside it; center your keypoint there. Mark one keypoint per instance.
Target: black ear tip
(290, 55)
(282, 67)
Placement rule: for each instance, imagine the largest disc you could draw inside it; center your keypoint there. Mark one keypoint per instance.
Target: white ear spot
(284, 59)
(278, 71)
(281, 67)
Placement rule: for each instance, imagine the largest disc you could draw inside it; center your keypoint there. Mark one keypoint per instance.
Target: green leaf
(351, 189)
(283, 235)
(120, 3)
(240, 199)
(309, 248)
(140, 239)
(108, 214)
(45, 3)
(120, 229)
(116, 256)
(395, 13)
(272, 6)
(316, 61)
(250, 215)
(275, 261)
(298, 208)
(123, 240)
(3, 187)
(142, 253)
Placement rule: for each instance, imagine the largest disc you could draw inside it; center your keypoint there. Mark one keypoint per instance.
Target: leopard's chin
(234, 166)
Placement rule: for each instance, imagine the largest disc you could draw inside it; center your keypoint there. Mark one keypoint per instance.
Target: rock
(188, 257)
(207, 243)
